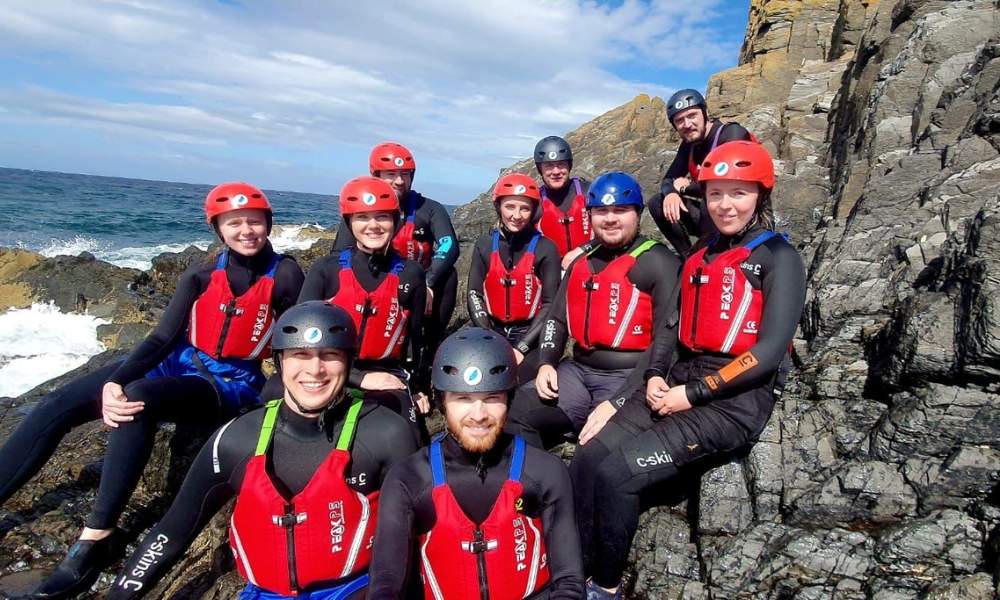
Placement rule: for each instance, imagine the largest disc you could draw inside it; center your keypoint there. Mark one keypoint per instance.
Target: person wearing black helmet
(305, 471)
(564, 219)
(487, 515)
(678, 209)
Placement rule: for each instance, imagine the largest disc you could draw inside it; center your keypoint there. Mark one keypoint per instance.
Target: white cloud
(471, 80)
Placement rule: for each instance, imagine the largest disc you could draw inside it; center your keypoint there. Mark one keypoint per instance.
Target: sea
(123, 221)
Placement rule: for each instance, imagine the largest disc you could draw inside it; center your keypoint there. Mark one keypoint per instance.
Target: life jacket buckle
(508, 282)
(289, 520)
(480, 546)
(565, 220)
(591, 285)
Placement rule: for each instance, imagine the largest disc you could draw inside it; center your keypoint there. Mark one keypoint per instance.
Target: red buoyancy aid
(323, 533)
(606, 310)
(512, 296)
(566, 230)
(720, 310)
(693, 167)
(380, 318)
(503, 557)
(224, 326)
(406, 245)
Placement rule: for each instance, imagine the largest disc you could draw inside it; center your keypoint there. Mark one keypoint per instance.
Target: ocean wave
(39, 343)
(297, 237)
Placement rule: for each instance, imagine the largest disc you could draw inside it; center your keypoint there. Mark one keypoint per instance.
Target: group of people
(340, 492)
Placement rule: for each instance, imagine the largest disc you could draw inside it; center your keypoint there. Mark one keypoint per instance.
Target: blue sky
(292, 95)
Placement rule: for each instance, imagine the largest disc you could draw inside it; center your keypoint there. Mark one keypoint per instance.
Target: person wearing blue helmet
(614, 302)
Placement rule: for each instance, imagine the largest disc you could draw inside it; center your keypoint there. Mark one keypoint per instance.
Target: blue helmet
(615, 189)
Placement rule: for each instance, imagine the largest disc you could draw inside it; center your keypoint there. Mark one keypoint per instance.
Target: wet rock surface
(877, 477)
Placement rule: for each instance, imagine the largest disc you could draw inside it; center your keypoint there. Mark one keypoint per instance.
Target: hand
(518, 356)
(674, 401)
(430, 302)
(596, 421)
(570, 257)
(681, 184)
(377, 380)
(115, 407)
(547, 382)
(423, 402)
(656, 389)
(672, 207)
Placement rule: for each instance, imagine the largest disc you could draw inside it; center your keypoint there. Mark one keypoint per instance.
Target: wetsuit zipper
(586, 315)
(569, 240)
(697, 299)
(484, 586)
(230, 310)
(365, 311)
(293, 578)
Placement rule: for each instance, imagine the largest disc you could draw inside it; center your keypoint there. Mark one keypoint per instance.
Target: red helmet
(738, 161)
(388, 156)
(365, 194)
(516, 184)
(232, 196)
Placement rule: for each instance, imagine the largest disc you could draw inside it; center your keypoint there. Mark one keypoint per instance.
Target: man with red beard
(492, 517)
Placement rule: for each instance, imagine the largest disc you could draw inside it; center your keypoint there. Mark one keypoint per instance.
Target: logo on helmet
(721, 169)
(473, 376)
(398, 161)
(312, 335)
(553, 155)
(680, 104)
(520, 189)
(238, 200)
(368, 198)
(608, 199)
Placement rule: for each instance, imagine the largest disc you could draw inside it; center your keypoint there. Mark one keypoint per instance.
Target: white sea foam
(132, 257)
(39, 343)
(294, 237)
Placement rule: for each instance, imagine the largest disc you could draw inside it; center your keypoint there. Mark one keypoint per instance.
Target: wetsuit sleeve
(168, 331)
(548, 269)
(555, 330)
(677, 168)
(322, 282)
(395, 536)
(559, 529)
(783, 287)
(214, 478)
(288, 279)
(345, 238)
(475, 301)
(445, 244)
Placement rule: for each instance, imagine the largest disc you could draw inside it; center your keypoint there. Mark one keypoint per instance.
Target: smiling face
(731, 204)
(373, 230)
(243, 230)
(314, 376)
(615, 226)
(555, 174)
(690, 124)
(399, 179)
(475, 419)
(515, 213)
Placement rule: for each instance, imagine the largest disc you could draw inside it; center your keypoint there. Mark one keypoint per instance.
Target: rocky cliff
(877, 477)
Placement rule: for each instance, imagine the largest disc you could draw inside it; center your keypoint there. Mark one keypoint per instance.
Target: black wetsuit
(299, 445)
(407, 511)
(695, 223)
(522, 335)
(323, 283)
(639, 453)
(593, 376)
(431, 224)
(187, 398)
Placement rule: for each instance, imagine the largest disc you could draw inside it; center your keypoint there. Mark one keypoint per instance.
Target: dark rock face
(877, 477)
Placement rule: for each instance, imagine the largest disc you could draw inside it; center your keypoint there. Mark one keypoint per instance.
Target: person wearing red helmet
(384, 293)
(200, 364)
(742, 293)
(514, 272)
(426, 236)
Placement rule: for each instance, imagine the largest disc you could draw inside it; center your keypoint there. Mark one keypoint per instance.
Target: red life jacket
(606, 310)
(378, 315)
(224, 326)
(406, 245)
(567, 230)
(693, 167)
(512, 296)
(720, 310)
(503, 557)
(323, 533)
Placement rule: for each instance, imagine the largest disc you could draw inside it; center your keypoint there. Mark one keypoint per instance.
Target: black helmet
(315, 324)
(474, 360)
(551, 149)
(683, 100)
